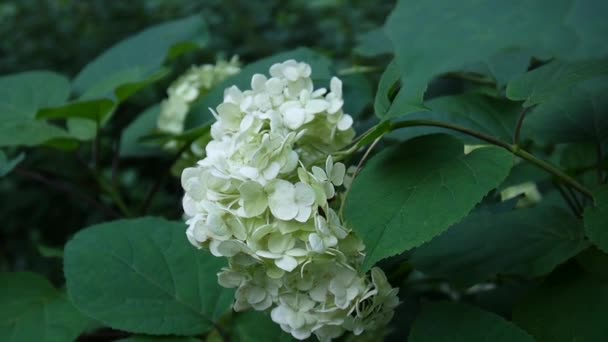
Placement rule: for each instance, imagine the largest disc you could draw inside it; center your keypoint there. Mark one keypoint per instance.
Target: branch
(516, 150)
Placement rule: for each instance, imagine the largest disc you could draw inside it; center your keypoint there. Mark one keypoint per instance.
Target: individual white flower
(376, 308)
(289, 201)
(327, 233)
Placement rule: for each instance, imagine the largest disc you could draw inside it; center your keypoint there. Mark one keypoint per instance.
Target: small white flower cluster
(187, 88)
(258, 199)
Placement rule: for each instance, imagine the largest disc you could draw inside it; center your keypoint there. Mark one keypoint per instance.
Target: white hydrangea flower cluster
(187, 88)
(258, 199)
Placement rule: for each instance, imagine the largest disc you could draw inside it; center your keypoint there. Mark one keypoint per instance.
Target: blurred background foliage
(36, 212)
(63, 35)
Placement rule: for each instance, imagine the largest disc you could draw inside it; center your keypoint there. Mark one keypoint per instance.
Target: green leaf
(573, 308)
(94, 110)
(373, 43)
(588, 18)
(137, 61)
(480, 113)
(596, 219)
(252, 326)
(21, 97)
(6, 165)
(578, 114)
(527, 242)
(144, 124)
(199, 114)
(443, 36)
(33, 310)
(142, 276)
(29, 132)
(388, 87)
(410, 193)
(542, 84)
(23, 94)
(445, 321)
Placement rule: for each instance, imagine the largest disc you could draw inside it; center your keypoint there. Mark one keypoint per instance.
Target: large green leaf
(596, 219)
(29, 132)
(578, 114)
(199, 114)
(548, 81)
(588, 19)
(477, 112)
(144, 124)
(255, 326)
(442, 36)
(138, 60)
(142, 276)
(445, 321)
(33, 310)
(573, 308)
(410, 193)
(23, 94)
(21, 97)
(528, 242)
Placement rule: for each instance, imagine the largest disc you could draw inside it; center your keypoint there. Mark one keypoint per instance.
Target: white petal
(294, 117)
(268, 255)
(274, 86)
(304, 194)
(337, 174)
(291, 73)
(254, 198)
(276, 70)
(255, 294)
(272, 171)
(346, 122)
(316, 106)
(336, 86)
(316, 243)
(303, 214)
(249, 172)
(258, 82)
(278, 243)
(286, 263)
(319, 174)
(263, 305)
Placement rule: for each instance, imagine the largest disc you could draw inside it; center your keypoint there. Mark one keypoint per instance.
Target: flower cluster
(260, 199)
(188, 88)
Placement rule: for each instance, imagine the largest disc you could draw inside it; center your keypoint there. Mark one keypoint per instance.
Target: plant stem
(519, 124)
(568, 200)
(515, 149)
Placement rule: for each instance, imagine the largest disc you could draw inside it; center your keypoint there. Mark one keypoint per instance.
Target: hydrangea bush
(444, 182)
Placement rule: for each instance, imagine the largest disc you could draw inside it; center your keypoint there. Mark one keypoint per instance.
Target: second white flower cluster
(258, 199)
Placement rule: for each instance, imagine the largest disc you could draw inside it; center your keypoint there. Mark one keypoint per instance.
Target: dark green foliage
(82, 163)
